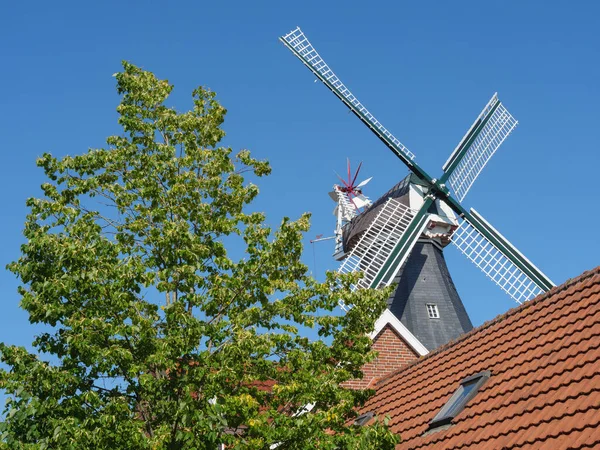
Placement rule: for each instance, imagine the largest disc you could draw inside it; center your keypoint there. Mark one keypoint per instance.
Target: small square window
(466, 391)
(432, 311)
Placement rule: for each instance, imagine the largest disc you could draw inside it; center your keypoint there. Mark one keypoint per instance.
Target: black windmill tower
(400, 237)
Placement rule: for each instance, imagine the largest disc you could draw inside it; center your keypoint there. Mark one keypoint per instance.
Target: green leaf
(154, 336)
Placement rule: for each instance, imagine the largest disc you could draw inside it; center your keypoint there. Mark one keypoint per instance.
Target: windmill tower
(425, 299)
(410, 225)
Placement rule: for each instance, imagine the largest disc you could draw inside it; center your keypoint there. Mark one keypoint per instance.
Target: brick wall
(393, 353)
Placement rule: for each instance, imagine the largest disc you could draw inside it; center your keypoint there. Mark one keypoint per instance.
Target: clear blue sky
(425, 69)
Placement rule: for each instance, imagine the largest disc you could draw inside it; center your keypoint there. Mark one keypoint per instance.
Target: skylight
(466, 391)
(363, 419)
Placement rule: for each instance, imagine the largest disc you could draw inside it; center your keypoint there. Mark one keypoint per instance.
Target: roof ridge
(500, 318)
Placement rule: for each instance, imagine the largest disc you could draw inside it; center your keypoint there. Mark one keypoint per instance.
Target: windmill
(423, 206)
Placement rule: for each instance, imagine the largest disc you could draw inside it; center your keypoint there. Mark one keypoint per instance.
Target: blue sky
(424, 69)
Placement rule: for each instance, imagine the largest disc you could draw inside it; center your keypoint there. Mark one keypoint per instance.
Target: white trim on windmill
(388, 318)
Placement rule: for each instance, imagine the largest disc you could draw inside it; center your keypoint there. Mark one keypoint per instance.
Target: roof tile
(544, 391)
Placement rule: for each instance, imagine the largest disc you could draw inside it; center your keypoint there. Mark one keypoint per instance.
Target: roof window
(466, 391)
(433, 311)
(363, 419)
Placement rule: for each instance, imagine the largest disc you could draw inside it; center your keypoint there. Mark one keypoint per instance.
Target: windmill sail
(297, 42)
(500, 265)
(385, 245)
(476, 148)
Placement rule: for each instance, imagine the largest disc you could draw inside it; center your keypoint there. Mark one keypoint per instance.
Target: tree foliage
(155, 337)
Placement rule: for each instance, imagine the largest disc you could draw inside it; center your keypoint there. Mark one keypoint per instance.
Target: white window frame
(432, 311)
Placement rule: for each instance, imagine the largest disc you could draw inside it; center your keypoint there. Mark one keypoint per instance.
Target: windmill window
(466, 391)
(432, 311)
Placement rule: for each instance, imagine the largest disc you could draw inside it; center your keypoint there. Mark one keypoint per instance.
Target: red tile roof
(544, 392)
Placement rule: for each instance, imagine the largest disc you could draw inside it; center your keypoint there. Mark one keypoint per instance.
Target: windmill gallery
(430, 357)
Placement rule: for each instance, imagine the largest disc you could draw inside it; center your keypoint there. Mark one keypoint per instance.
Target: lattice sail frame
(300, 44)
(377, 243)
(494, 263)
(347, 208)
(496, 130)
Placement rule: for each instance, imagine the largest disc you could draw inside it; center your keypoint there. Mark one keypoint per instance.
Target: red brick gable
(544, 389)
(393, 353)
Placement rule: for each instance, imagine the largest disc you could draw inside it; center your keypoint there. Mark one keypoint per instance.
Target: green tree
(154, 337)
